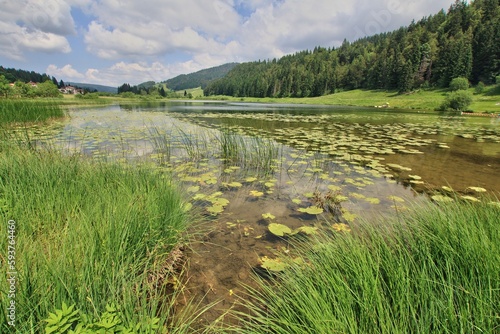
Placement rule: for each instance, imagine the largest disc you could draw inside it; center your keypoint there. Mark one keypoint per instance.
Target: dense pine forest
(462, 42)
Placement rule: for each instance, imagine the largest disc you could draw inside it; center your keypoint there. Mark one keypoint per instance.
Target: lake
(256, 174)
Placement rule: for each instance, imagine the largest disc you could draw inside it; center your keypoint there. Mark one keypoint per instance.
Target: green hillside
(200, 78)
(462, 42)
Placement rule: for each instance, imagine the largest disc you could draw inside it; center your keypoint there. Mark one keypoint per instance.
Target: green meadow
(423, 99)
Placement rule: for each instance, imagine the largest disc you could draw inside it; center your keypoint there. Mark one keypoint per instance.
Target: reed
(432, 271)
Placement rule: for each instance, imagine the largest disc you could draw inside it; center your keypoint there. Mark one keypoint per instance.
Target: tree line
(462, 42)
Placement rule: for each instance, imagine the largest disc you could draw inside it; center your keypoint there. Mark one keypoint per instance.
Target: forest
(462, 42)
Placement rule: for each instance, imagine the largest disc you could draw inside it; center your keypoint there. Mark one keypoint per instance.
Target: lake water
(247, 166)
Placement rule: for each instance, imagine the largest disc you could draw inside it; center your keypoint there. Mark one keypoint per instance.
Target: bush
(480, 88)
(497, 79)
(459, 84)
(459, 100)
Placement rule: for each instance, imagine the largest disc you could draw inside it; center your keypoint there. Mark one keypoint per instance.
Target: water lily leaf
(309, 230)
(269, 184)
(349, 217)
(415, 177)
(279, 229)
(187, 207)
(334, 187)
(309, 195)
(297, 200)
(219, 201)
(340, 227)
(256, 193)
(275, 265)
(193, 189)
(448, 189)
(250, 179)
(215, 209)
(268, 216)
(372, 200)
(470, 198)
(312, 210)
(235, 184)
(199, 197)
(396, 199)
(477, 189)
(441, 198)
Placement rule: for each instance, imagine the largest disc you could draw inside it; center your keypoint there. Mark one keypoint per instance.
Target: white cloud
(123, 72)
(67, 72)
(34, 26)
(139, 35)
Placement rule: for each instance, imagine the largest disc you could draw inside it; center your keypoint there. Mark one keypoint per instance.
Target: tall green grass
(433, 271)
(89, 234)
(28, 110)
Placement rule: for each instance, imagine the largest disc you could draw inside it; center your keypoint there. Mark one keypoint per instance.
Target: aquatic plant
(22, 111)
(89, 234)
(434, 269)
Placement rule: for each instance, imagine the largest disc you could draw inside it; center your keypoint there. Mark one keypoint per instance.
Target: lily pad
(477, 189)
(442, 198)
(309, 230)
(275, 265)
(312, 210)
(256, 193)
(215, 209)
(339, 227)
(470, 198)
(279, 229)
(268, 216)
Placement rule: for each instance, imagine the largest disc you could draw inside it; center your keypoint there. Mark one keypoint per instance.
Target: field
(423, 100)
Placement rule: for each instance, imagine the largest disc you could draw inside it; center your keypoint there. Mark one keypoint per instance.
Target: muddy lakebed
(258, 174)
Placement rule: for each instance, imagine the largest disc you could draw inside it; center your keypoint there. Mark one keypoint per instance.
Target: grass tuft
(435, 271)
(87, 233)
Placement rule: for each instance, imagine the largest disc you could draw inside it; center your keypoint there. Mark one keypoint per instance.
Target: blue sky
(111, 42)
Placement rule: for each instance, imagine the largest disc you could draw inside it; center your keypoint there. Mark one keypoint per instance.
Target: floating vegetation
(279, 230)
(442, 198)
(312, 210)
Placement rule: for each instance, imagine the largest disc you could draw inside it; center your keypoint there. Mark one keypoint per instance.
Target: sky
(111, 42)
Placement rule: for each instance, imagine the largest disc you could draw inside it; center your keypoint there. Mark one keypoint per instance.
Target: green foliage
(459, 84)
(67, 320)
(5, 88)
(497, 79)
(480, 88)
(434, 270)
(92, 232)
(459, 101)
(88, 96)
(28, 111)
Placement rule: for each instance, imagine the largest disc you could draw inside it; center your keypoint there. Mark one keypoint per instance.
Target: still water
(244, 167)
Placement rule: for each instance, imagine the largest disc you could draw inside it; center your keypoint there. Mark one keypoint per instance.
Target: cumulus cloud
(124, 72)
(67, 72)
(138, 36)
(34, 26)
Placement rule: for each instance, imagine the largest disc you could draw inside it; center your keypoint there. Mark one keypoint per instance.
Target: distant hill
(92, 87)
(200, 78)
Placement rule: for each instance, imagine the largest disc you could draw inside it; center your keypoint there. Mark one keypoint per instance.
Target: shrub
(459, 100)
(480, 88)
(497, 79)
(459, 84)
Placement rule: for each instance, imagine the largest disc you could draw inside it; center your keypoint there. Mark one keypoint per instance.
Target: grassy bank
(29, 110)
(434, 271)
(98, 236)
(422, 100)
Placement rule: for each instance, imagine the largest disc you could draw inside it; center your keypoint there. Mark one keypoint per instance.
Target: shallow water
(304, 156)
